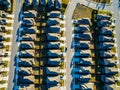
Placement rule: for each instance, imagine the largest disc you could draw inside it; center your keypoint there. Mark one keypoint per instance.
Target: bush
(118, 83)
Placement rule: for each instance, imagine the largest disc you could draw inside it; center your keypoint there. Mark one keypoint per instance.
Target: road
(69, 11)
(14, 48)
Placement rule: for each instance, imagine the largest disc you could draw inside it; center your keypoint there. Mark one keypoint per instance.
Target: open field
(82, 11)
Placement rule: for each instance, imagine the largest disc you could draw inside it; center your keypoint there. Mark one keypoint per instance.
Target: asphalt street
(113, 7)
(14, 47)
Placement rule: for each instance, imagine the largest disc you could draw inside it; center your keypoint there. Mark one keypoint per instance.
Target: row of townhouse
(6, 21)
(55, 64)
(107, 47)
(82, 60)
(25, 58)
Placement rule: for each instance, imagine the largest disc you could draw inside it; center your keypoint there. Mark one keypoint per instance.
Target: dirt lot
(82, 11)
(102, 1)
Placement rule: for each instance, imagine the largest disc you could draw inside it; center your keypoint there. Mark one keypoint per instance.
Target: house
(82, 61)
(52, 81)
(53, 45)
(108, 79)
(82, 36)
(28, 30)
(106, 39)
(81, 44)
(82, 78)
(25, 71)
(29, 14)
(53, 37)
(7, 3)
(28, 22)
(81, 69)
(43, 2)
(108, 62)
(109, 70)
(50, 3)
(83, 21)
(27, 37)
(1, 45)
(54, 14)
(110, 87)
(27, 87)
(52, 71)
(26, 79)
(103, 17)
(26, 53)
(54, 53)
(3, 21)
(82, 29)
(82, 53)
(2, 29)
(54, 29)
(26, 45)
(106, 31)
(26, 62)
(83, 86)
(58, 4)
(53, 21)
(53, 61)
(2, 38)
(54, 88)
(104, 23)
(106, 45)
(106, 54)
(35, 2)
(27, 2)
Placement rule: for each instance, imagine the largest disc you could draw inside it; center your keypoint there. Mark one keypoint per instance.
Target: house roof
(111, 87)
(58, 4)
(54, 45)
(54, 29)
(110, 69)
(29, 30)
(52, 79)
(53, 21)
(29, 13)
(27, 44)
(54, 88)
(106, 53)
(103, 17)
(54, 14)
(29, 37)
(27, 87)
(106, 30)
(106, 38)
(53, 36)
(84, 21)
(27, 69)
(27, 52)
(82, 28)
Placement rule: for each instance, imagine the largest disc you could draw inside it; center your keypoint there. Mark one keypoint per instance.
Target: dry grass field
(82, 11)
